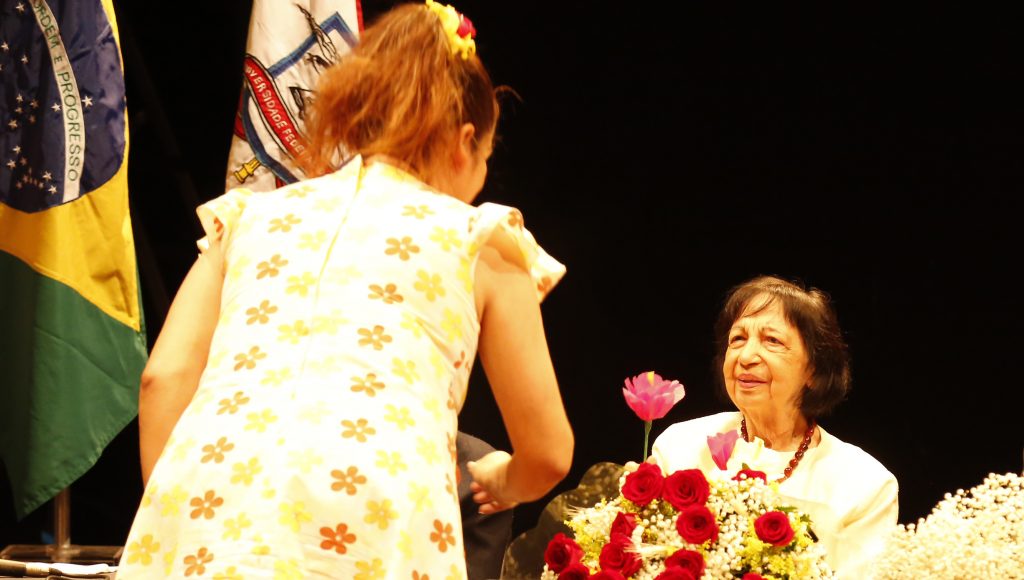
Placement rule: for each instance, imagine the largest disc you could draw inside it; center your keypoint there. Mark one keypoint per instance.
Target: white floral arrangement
(973, 534)
(686, 527)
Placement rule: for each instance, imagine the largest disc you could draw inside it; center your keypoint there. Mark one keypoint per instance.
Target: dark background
(665, 155)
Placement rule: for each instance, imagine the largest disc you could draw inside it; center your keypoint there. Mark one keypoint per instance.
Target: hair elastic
(459, 29)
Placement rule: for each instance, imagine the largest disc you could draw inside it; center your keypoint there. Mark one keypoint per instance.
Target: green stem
(647, 434)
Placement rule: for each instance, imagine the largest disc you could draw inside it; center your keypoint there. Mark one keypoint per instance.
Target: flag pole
(62, 526)
(62, 550)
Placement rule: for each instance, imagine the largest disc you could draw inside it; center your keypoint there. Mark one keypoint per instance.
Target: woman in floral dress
(299, 410)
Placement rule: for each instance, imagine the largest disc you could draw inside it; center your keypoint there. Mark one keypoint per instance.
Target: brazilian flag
(72, 342)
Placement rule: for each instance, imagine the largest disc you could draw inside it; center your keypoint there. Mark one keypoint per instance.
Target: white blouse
(850, 496)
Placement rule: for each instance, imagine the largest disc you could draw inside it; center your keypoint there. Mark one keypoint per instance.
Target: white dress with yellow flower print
(320, 442)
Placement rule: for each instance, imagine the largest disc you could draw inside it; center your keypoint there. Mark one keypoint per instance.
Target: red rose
(624, 524)
(608, 575)
(575, 571)
(685, 488)
(752, 576)
(774, 528)
(751, 474)
(675, 573)
(561, 552)
(692, 562)
(696, 524)
(617, 555)
(644, 484)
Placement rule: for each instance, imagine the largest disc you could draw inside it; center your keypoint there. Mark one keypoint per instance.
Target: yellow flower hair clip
(459, 29)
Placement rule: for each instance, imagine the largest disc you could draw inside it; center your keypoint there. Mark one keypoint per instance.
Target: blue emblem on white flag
(62, 128)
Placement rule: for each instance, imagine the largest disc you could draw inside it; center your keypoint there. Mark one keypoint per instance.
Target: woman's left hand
(487, 486)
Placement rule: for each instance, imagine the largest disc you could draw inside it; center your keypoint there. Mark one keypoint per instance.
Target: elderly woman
(784, 365)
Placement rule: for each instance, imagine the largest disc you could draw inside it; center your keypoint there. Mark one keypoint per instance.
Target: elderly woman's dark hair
(811, 313)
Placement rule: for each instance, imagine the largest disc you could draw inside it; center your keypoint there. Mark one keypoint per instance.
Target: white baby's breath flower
(973, 534)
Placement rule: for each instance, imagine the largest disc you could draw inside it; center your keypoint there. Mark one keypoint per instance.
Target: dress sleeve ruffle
(503, 225)
(220, 216)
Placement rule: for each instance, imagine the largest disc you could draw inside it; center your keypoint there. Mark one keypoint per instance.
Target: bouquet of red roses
(684, 526)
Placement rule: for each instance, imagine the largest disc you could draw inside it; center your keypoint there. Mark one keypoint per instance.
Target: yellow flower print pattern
(403, 248)
(411, 323)
(375, 338)
(287, 570)
(305, 460)
(234, 527)
(405, 544)
(215, 451)
(419, 495)
(399, 416)
(245, 472)
(391, 462)
(270, 268)
(427, 449)
(229, 573)
(231, 405)
(405, 369)
(314, 413)
(300, 284)
(359, 430)
(451, 325)
(237, 270)
(172, 501)
(446, 238)
(417, 211)
(260, 420)
(380, 514)
(276, 377)
(248, 360)
(464, 275)
(293, 333)
(312, 241)
(293, 515)
(328, 324)
(143, 550)
(284, 224)
(260, 314)
(181, 450)
(429, 284)
(370, 570)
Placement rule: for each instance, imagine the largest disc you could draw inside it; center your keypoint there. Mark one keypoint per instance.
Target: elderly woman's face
(765, 366)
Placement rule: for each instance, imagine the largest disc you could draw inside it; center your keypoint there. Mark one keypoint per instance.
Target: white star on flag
(47, 176)
(56, 108)
(19, 98)
(34, 104)
(17, 149)
(20, 7)
(12, 164)
(52, 189)
(13, 124)
(87, 101)
(4, 47)
(24, 59)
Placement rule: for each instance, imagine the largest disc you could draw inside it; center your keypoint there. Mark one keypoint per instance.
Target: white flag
(290, 44)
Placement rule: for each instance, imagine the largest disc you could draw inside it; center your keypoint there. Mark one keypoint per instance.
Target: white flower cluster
(974, 534)
(736, 505)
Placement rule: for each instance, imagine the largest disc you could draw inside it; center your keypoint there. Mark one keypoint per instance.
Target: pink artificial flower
(650, 396)
(721, 447)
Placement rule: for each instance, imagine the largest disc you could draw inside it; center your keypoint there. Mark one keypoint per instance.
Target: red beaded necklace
(799, 452)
